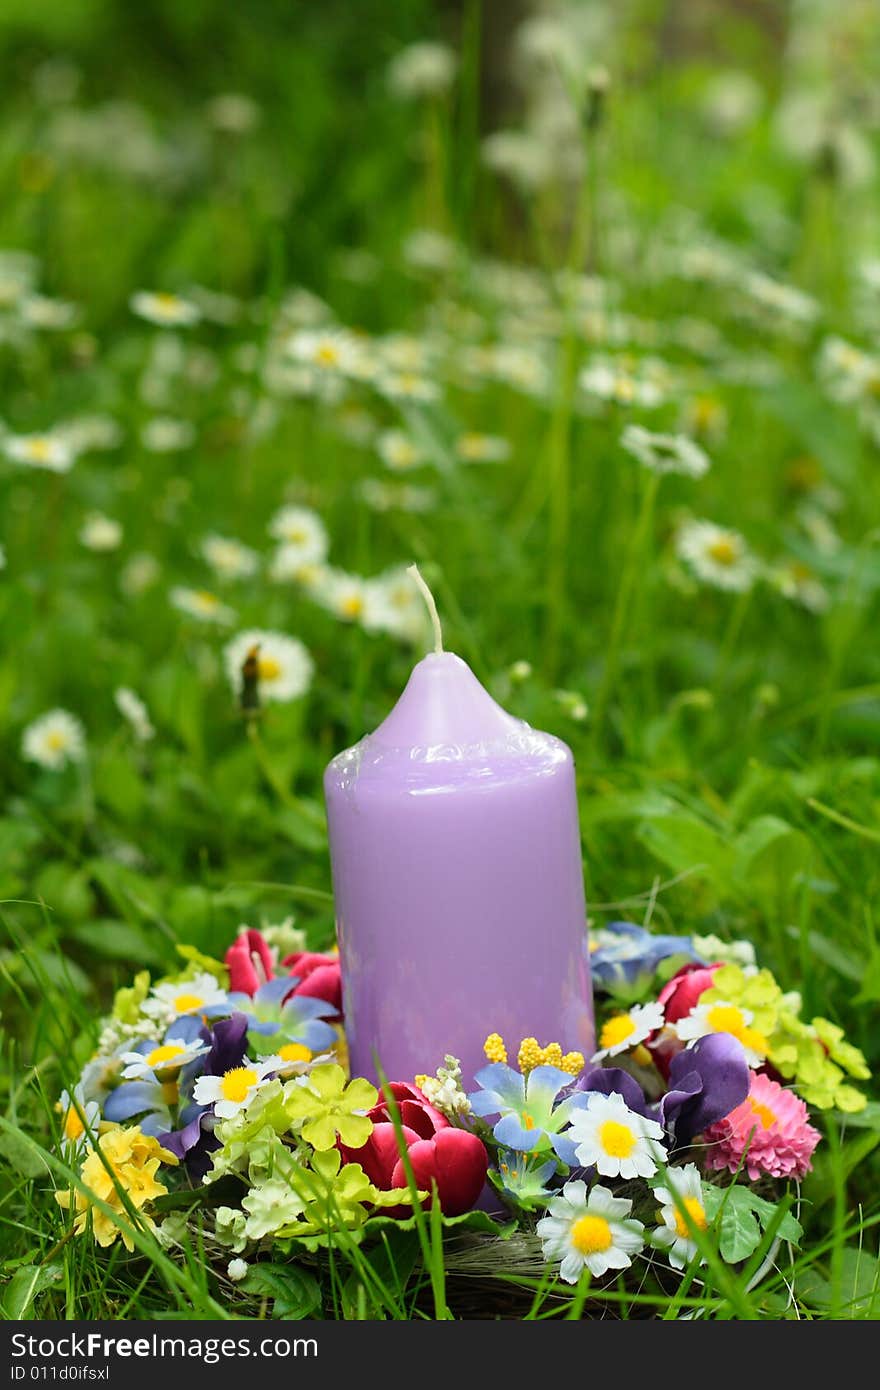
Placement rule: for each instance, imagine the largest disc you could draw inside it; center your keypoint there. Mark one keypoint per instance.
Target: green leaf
(24, 1286)
(391, 1261)
(743, 1215)
(855, 1293)
(118, 941)
(21, 1156)
(770, 854)
(295, 1293)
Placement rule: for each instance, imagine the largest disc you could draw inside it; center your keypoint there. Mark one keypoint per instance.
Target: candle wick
(416, 576)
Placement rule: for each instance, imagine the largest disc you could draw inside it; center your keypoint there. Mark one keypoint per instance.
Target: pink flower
(318, 975)
(771, 1128)
(680, 994)
(250, 962)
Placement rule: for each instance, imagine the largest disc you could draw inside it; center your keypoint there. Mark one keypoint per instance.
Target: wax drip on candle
(416, 575)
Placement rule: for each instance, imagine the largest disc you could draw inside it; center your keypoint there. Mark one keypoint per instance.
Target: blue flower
(297, 1018)
(530, 1119)
(155, 1090)
(522, 1178)
(624, 954)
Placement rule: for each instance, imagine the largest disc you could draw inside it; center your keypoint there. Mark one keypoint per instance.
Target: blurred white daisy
(202, 604)
(50, 451)
(674, 1235)
(85, 433)
(345, 595)
(229, 558)
(332, 350)
(422, 70)
(285, 668)
(132, 708)
(591, 1231)
(302, 534)
(717, 555)
(482, 448)
(165, 435)
(407, 386)
(54, 315)
(54, 740)
(796, 581)
(235, 113)
(100, 533)
(139, 573)
(624, 381)
(614, 1139)
(392, 604)
(165, 310)
(426, 249)
(399, 451)
(665, 453)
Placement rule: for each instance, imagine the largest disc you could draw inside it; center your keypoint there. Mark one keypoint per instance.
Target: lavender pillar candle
(457, 876)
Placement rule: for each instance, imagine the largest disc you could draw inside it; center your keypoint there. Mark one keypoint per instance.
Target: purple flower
(706, 1081)
(194, 1139)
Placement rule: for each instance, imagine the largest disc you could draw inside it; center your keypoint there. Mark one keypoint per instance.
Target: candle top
(446, 729)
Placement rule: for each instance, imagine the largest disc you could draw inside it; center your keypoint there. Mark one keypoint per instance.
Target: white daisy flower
(422, 70)
(235, 1089)
(202, 604)
(345, 595)
(165, 435)
(330, 350)
(235, 113)
(86, 433)
(139, 573)
(392, 604)
(398, 451)
(175, 998)
(302, 535)
(295, 1059)
(593, 1232)
(132, 708)
(674, 1235)
(166, 1057)
(408, 386)
(717, 555)
(624, 380)
(74, 1134)
(100, 533)
(284, 665)
(229, 558)
(723, 1017)
(797, 582)
(165, 310)
(482, 448)
(54, 315)
(51, 451)
(623, 1031)
(614, 1139)
(665, 453)
(425, 249)
(54, 740)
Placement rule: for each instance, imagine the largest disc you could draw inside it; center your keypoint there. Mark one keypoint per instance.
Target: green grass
(728, 767)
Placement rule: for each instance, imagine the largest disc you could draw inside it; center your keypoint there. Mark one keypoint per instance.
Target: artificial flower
(151, 1058)
(532, 1115)
(522, 1178)
(236, 1088)
(78, 1116)
(622, 953)
(682, 1189)
(592, 1231)
(133, 1160)
(250, 961)
(721, 1016)
(196, 995)
(624, 1031)
(684, 990)
(705, 1082)
(277, 1015)
(617, 1141)
(318, 976)
(768, 1134)
(326, 1107)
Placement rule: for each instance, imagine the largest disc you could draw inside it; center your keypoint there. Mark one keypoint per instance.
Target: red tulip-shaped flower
(453, 1158)
(247, 957)
(682, 993)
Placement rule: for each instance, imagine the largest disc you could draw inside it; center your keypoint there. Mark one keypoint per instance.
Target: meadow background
(426, 299)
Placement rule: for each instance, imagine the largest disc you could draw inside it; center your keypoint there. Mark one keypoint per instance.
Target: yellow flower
(128, 1166)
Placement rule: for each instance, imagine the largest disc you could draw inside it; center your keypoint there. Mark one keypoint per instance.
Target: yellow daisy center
(590, 1235)
(236, 1083)
(723, 551)
(160, 1056)
(55, 740)
(327, 355)
(352, 606)
(185, 1003)
(295, 1052)
(206, 598)
(73, 1125)
(695, 1210)
(617, 1030)
(38, 449)
(616, 1139)
(166, 302)
(763, 1113)
(270, 669)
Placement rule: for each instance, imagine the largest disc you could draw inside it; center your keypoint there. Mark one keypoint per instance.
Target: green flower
(271, 1206)
(229, 1228)
(817, 1059)
(327, 1107)
(759, 993)
(250, 1139)
(127, 1002)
